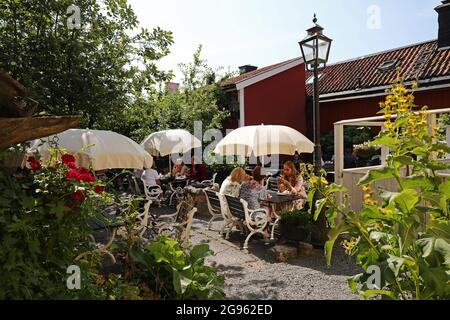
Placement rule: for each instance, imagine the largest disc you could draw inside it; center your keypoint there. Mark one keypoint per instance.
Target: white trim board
(270, 73)
(241, 108)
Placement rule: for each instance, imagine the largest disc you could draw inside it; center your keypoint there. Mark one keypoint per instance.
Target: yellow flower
(415, 85)
(323, 181)
(313, 180)
(349, 245)
(371, 202)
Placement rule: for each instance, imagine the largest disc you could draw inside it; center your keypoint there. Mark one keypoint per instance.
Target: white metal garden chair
(177, 225)
(255, 221)
(210, 183)
(214, 206)
(153, 193)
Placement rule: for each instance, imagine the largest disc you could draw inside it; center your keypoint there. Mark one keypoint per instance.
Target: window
(388, 65)
(311, 79)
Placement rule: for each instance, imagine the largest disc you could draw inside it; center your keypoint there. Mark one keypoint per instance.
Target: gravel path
(251, 276)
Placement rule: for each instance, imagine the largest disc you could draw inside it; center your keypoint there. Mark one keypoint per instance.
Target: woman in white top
(232, 185)
(151, 177)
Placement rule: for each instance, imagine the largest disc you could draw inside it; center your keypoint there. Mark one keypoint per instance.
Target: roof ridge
(380, 52)
(261, 70)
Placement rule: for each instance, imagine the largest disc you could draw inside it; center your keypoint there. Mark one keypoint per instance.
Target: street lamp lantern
(315, 47)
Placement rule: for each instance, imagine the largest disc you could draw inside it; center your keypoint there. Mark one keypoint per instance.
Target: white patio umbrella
(98, 149)
(169, 142)
(264, 140)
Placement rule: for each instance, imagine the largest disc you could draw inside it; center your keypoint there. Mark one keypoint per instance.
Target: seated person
(198, 171)
(252, 190)
(150, 177)
(232, 184)
(180, 169)
(291, 182)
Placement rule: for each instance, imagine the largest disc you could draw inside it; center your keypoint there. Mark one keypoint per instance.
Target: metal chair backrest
(138, 185)
(236, 207)
(213, 199)
(185, 217)
(272, 184)
(183, 210)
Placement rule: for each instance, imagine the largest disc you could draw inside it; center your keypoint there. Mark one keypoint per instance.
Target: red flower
(67, 159)
(73, 175)
(82, 170)
(34, 164)
(99, 189)
(79, 195)
(80, 174)
(86, 177)
(71, 165)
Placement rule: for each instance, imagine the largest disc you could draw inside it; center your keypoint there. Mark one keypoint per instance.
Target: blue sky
(263, 32)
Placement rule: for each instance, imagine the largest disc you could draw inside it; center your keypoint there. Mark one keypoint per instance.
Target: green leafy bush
(406, 234)
(299, 218)
(171, 273)
(44, 228)
(44, 214)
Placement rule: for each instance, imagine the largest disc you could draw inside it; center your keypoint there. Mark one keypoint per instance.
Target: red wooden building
(273, 95)
(281, 93)
(354, 88)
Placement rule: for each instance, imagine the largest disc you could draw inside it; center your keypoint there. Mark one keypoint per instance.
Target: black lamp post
(315, 51)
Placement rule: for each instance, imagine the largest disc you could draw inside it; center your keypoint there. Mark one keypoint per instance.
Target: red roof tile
(422, 60)
(251, 74)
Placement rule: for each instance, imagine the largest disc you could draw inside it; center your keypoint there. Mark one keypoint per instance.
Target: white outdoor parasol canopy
(264, 140)
(97, 149)
(169, 142)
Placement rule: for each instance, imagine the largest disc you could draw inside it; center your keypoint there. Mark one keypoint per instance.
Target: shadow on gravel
(341, 264)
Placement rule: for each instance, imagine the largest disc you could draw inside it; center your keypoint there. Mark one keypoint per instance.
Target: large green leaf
(443, 247)
(200, 252)
(395, 264)
(373, 213)
(332, 236)
(334, 188)
(319, 207)
(311, 199)
(444, 188)
(422, 182)
(406, 200)
(385, 140)
(372, 293)
(439, 229)
(180, 282)
(377, 175)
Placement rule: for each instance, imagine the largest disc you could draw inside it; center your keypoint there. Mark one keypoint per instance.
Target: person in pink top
(291, 182)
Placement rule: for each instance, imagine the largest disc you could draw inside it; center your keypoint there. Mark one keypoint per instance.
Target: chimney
(247, 68)
(172, 87)
(444, 25)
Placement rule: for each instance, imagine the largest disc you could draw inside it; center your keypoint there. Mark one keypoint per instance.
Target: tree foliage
(97, 71)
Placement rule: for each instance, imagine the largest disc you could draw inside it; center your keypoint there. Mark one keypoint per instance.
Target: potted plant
(365, 151)
(295, 225)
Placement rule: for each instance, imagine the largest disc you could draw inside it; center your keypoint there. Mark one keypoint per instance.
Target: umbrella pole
(170, 164)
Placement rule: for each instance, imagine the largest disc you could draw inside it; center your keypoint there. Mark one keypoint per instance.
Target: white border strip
(260, 77)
